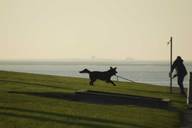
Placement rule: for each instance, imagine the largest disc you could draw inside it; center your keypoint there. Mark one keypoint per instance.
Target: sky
(101, 29)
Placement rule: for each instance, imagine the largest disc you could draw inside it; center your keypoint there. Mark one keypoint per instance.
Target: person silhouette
(181, 72)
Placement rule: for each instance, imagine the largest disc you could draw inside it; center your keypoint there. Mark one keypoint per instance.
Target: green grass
(21, 110)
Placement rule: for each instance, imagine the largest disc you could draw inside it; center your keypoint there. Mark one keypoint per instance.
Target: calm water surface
(145, 72)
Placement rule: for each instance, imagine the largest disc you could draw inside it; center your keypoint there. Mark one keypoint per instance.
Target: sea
(150, 72)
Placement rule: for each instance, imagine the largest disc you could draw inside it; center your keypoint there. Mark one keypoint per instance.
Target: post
(171, 61)
(189, 96)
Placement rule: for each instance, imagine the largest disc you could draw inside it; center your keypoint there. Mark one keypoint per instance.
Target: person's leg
(180, 83)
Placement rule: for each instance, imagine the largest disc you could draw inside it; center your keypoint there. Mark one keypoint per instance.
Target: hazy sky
(111, 29)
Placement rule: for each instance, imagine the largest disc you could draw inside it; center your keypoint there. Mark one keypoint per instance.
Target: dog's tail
(85, 71)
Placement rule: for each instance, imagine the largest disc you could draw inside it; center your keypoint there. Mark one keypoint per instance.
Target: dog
(105, 76)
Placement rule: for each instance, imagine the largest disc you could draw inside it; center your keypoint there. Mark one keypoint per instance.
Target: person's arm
(172, 68)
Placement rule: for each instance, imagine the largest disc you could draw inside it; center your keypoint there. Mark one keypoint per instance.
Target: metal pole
(171, 61)
(189, 96)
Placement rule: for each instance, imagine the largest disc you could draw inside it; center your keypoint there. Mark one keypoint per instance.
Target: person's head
(179, 59)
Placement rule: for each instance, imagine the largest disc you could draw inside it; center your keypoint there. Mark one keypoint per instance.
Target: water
(146, 72)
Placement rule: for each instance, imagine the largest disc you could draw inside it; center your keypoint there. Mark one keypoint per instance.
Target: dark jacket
(179, 67)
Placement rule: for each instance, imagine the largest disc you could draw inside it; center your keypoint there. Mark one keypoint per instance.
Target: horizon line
(84, 60)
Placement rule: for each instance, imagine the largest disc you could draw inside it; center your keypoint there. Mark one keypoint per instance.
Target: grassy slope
(27, 111)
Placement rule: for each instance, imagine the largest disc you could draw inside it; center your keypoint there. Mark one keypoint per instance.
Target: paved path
(187, 123)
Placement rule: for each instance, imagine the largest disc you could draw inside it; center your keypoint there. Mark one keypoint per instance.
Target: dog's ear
(111, 68)
(115, 68)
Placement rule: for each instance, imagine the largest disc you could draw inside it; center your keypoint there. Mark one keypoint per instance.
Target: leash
(124, 78)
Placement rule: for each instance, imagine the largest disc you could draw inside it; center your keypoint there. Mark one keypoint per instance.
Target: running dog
(105, 76)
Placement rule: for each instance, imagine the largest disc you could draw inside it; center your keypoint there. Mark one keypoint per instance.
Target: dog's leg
(92, 82)
(112, 83)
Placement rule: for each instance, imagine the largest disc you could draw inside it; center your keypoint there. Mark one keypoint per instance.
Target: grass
(19, 109)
